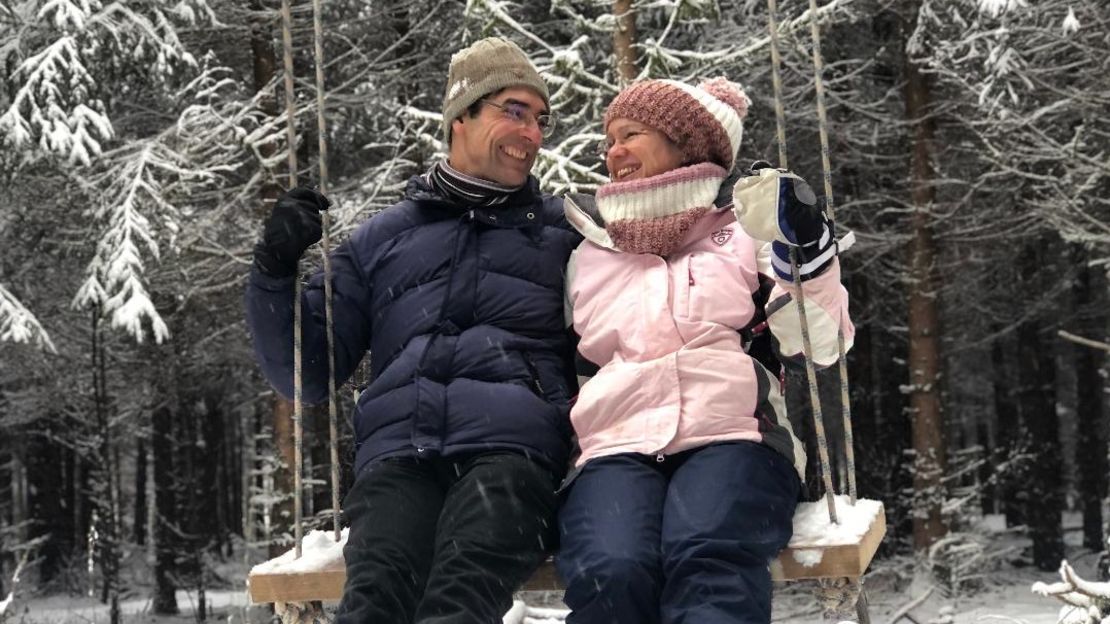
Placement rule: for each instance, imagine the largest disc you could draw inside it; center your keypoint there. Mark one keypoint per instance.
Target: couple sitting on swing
(484, 302)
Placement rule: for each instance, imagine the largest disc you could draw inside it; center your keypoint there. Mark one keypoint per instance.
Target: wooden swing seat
(804, 558)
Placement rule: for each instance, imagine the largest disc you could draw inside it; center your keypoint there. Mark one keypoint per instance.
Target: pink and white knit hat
(706, 121)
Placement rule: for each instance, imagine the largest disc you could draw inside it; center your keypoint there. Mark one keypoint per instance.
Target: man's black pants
(444, 541)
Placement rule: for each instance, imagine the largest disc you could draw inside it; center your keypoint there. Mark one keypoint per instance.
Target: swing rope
(799, 295)
(839, 597)
(298, 382)
(325, 222)
(826, 169)
(321, 127)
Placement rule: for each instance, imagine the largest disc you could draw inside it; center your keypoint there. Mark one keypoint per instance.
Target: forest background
(143, 141)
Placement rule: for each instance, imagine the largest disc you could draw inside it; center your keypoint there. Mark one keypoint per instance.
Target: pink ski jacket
(664, 331)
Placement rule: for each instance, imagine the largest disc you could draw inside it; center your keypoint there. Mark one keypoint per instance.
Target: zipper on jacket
(534, 373)
(660, 457)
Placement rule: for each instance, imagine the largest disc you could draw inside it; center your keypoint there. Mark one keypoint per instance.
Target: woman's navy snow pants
(686, 540)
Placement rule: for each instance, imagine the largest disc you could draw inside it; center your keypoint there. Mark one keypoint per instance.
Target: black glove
(292, 227)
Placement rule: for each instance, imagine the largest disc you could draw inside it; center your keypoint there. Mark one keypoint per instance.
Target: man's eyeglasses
(519, 113)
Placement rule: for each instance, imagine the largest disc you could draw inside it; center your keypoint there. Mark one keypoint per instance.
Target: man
(457, 292)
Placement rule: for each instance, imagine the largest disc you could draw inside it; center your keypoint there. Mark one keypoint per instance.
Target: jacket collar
(521, 210)
(582, 212)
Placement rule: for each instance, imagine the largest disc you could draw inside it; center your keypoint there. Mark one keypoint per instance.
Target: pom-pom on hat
(706, 121)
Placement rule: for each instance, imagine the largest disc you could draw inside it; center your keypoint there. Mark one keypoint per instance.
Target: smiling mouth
(625, 172)
(515, 152)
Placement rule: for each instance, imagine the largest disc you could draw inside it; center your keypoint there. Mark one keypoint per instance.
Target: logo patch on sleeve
(722, 236)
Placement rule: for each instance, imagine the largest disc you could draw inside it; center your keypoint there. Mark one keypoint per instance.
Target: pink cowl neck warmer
(652, 215)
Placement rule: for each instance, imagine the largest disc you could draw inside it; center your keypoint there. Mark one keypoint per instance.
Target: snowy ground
(998, 593)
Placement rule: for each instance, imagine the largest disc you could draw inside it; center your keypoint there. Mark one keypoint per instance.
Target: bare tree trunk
(139, 522)
(18, 480)
(1010, 439)
(248, 481)
(229, 479)
(1036, 400)
(624, 40)
(164, 601)
(77, 493)
(282, 514)
(48, 469)
(1091, 451)
(107, 478)
(924, 356)
(265, 69)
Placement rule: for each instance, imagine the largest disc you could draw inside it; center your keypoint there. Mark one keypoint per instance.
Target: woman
(689, 473)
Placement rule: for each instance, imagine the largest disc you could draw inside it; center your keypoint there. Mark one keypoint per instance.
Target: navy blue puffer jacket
(462, 312)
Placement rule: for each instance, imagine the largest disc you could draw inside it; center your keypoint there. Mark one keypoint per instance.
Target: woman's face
(634, 151)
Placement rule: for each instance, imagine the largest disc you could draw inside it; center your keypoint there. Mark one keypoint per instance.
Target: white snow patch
(808, 557)
(994, 8)
(1071, 23)
(515, 615)
(991, 523)
(319, 551)
(813, 528)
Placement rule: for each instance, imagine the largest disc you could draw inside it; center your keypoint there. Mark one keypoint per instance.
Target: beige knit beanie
(488, 65)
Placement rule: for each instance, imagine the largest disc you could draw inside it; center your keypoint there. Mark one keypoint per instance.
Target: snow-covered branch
(19, 567)
(54, 104)
(1087, 342)
(1087, 602)
(115, 273)
(17, 324)
(55, 109)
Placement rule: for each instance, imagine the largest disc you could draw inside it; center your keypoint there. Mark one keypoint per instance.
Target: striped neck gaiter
(652, 215)
(468, 190)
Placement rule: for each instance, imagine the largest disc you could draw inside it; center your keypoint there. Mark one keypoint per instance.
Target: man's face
(494, 146)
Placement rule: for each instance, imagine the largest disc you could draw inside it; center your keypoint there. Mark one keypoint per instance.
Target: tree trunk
(624, 40)
(248, 481)
(77, 496)
(18, 483)
(165, 502)
(47, 471)
(229, 470)
(924, 352)
(138, 527)
(106, 478)
(1037, 405)
(1091, 451)
(265, 67)
(282, 514)
(1010, 440)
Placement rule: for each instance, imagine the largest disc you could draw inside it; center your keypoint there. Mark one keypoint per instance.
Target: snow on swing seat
(818, 549)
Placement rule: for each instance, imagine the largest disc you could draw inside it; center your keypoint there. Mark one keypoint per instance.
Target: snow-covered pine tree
(1021, 87)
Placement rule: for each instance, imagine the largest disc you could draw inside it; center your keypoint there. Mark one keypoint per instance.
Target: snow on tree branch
(51, 105)
(115, 273)
(138, 181)
(994, 8)
(17, 324)
(55, 108)
(1087, 602)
